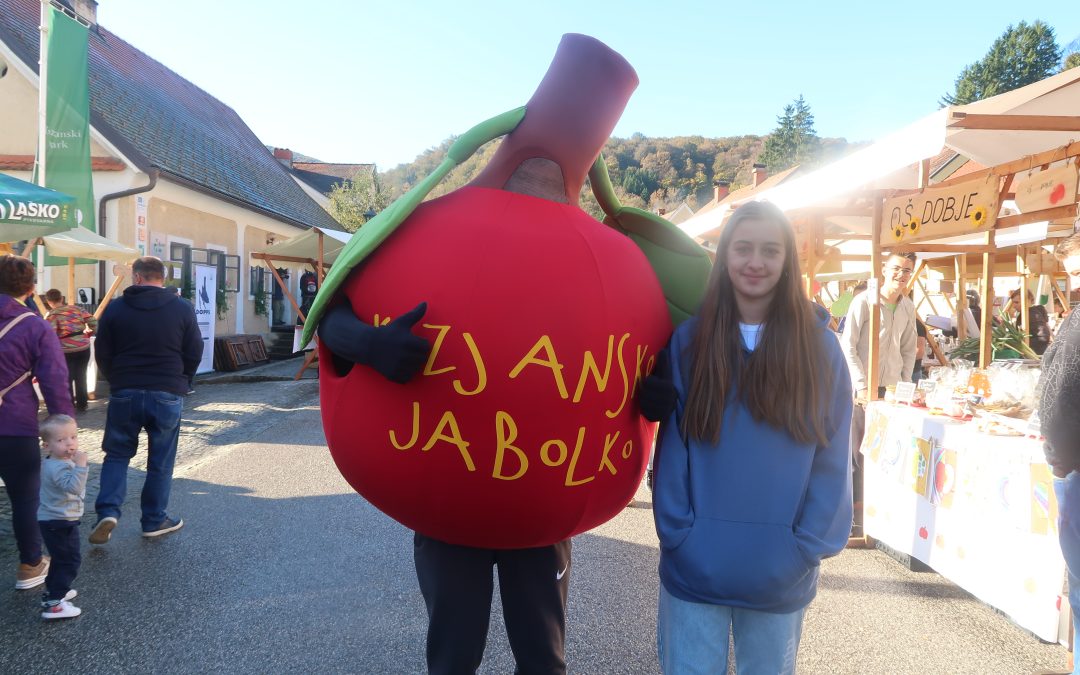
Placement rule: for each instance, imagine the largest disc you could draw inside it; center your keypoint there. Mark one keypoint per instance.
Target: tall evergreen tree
(1022, 55)
(794, 140)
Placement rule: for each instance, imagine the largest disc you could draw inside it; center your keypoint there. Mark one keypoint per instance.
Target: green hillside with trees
(650, 173)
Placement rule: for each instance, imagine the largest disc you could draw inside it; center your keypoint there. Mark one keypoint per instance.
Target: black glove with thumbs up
(657, 397)
(392, 350)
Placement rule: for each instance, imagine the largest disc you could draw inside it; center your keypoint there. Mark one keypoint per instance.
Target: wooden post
(810, 271)
(1023, 319)
(108, 296)
(986, 349)
(960, 263)
(874, 361)
(308, 359)
(1062, 298)
(934, 346)
(919, 266)
(40, 305)
(29, 247)
(926, 297)
(319, 271)
(71, 280)
(285, 290)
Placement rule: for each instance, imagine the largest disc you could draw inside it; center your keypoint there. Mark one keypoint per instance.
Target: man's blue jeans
(692, 638)
(131, 411)
(1068, 497)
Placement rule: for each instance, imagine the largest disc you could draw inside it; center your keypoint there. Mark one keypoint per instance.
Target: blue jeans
(692, 637)
(1068, 496)
(131, 411)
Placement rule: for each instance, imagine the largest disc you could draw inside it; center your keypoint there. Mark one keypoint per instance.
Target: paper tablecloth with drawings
(977, 508)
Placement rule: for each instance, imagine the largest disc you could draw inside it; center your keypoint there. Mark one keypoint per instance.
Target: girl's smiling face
(755, 259)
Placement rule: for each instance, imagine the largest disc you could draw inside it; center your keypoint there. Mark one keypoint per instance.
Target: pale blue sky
(381, 82)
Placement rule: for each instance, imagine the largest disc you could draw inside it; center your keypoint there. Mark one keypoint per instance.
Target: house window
(258, 281)
(228, 269)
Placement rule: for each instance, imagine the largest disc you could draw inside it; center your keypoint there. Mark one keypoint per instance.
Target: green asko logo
(12, 210)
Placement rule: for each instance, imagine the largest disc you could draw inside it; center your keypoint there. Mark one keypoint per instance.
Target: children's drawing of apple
(1058, 193)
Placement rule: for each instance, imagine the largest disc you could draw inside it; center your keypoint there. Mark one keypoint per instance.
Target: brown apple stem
(567, 120)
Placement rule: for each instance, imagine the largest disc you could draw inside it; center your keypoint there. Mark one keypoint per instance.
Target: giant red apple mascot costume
(521, 428)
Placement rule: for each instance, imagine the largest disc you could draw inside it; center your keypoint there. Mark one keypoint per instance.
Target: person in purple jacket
(30, 350)
(752, 474)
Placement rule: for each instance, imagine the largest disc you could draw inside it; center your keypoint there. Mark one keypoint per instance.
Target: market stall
(945, 486)
(977, 507)
(318, 247)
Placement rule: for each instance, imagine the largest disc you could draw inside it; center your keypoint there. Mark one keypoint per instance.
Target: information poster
(141, 224)
(206, 312)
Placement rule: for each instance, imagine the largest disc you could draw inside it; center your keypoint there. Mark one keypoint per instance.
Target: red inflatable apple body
(523, 429)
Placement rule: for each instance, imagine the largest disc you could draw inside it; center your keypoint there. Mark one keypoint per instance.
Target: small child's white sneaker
(70, 595)
(62, 610)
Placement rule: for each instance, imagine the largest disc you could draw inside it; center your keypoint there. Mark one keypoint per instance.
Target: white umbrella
(82, 243)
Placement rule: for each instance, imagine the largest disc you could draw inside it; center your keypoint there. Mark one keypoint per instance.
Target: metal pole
(39, 174)
(43, 70)
(873, 377)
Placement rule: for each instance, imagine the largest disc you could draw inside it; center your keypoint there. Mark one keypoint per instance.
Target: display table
(979, 509)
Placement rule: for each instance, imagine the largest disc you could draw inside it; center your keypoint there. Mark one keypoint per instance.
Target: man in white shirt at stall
(897, 340)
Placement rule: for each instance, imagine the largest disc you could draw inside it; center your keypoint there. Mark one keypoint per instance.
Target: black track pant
(457, 584)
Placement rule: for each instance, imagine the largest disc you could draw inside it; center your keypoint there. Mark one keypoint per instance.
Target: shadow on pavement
(326, 583)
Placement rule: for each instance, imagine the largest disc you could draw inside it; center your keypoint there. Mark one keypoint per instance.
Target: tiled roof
(747, 192)
(347, 171)
(324, 175)
(938, 161)
(26, 163)
(320, 181)
(158, 119)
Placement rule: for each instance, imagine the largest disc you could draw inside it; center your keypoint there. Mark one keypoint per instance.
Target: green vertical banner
(67, 116)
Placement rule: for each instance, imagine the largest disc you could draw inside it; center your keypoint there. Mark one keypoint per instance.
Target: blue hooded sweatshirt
(746, 522)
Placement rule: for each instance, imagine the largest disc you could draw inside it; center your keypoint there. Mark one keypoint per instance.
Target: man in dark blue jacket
(148, 347)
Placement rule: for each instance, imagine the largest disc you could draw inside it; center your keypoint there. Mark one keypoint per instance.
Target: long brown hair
(786, 377)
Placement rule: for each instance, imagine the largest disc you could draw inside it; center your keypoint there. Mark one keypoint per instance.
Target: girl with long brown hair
(753, 473)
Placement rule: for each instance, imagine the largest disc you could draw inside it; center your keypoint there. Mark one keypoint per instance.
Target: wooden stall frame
(1005, 173)
(319, 265)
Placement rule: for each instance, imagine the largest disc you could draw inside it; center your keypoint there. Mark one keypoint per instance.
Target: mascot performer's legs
(457, 584)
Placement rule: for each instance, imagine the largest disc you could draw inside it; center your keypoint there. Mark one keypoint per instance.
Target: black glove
(658, 396)
(392, 350)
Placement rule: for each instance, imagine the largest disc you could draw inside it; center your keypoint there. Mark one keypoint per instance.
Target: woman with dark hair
(753, 469)
(1037, 324)
(73, 325)
(30, 350)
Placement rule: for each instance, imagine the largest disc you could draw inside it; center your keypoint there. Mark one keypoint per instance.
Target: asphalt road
(281, 568)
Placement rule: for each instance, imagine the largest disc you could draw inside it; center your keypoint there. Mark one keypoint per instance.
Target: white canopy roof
(306, 245)
(892, 162)
(82, 243)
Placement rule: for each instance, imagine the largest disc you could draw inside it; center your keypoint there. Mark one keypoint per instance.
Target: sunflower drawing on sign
(913, 226)
(978, 216)
(898, 231)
